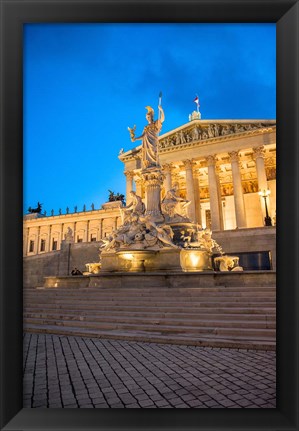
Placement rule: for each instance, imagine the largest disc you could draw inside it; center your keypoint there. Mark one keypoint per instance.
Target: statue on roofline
(36, 210)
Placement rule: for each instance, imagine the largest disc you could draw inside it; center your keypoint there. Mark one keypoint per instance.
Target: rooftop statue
(115, 196)
(149, 137)
(37, 210)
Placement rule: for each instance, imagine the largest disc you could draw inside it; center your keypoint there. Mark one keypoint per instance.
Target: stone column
(238, 191)
(115, 223)
(86, 231)
(214, 195)
(48, 248)
(61, 234)
(129, 185)
(25, 245)
(138, 183)
(167, 168)
(259, 158)
(218, 170)
(188, 164)
(75, 231)
(38, 241)
(101, 229)
(153, 180)
(197, 200)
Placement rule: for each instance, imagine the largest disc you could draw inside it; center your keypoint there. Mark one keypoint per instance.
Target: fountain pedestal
(133, 260)
(153, 180)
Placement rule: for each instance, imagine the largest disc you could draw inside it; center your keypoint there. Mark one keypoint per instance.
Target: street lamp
(264, 194)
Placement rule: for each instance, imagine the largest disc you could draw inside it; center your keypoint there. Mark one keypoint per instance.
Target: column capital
(153, 178)
(211, 160)
(188, 164)
(167, 168)
(138, 180)
(234, 156)
(258, 152)
(129, 174)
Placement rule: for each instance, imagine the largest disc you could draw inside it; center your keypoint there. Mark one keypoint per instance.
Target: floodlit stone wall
(77, 255)
(248, 240)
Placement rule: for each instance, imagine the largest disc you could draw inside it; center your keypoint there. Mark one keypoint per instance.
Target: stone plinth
(166, 279)
(149, 260)
(134, 260)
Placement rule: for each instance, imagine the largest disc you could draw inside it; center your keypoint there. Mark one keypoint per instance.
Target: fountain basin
(133, 260)
(193, 260)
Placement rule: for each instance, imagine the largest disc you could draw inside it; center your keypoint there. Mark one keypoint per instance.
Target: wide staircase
(236, 317)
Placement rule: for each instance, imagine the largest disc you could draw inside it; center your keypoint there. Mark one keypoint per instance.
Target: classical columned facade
(220, 166)
(44, 234)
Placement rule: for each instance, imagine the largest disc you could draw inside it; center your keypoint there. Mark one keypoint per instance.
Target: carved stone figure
(163, 232)
(182, 137)
(136, 206)
(93, 268)
(228, 263)
(238, 128)
(210, 131)
(149, 138)
(225, 130)
(174, 206)
(216, 129)
(195, 134)
(201, 239)
(140, 233)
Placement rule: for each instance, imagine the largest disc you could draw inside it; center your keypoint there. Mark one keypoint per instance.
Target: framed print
(181, 192)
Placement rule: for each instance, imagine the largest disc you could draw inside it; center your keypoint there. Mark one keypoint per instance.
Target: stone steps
(174, 298)
(148, 292)
(217, 316)
(175, 328)
(242, 342)
(158, 304)
(166, 308)
(148, 320)
(35, 311)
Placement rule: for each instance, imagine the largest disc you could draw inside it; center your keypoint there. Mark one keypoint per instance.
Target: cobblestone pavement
(76, 372)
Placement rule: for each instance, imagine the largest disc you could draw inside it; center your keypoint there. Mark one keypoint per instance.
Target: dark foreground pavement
(76, 372)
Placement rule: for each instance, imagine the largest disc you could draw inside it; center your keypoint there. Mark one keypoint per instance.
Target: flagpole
(197, 103)
(160, 103)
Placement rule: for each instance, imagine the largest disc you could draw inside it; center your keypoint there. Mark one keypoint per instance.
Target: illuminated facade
(219, 165)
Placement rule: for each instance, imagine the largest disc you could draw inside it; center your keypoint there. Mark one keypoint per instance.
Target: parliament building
(226, 168)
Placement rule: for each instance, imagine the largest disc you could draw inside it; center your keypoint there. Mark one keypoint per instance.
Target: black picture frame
(14, 14)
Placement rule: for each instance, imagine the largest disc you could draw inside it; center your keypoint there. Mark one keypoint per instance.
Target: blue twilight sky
(84, 84)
